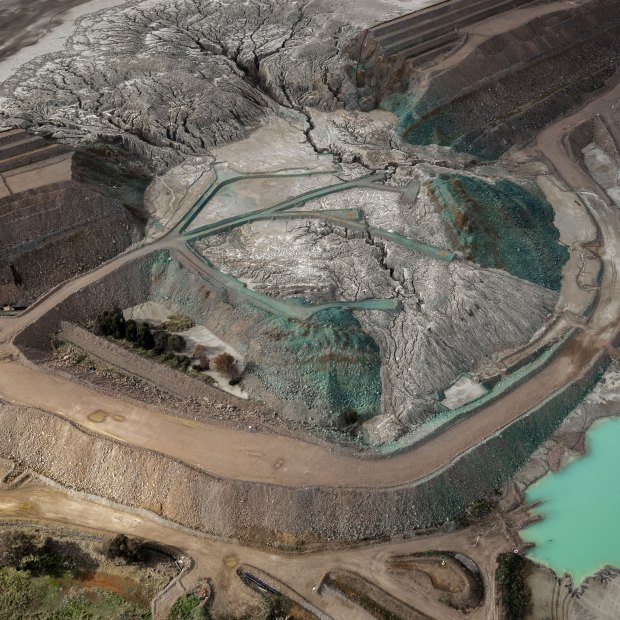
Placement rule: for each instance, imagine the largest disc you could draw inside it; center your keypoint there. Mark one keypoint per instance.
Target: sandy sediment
(166, 378)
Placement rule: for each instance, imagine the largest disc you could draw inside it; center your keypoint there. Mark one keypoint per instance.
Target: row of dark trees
(112, 323)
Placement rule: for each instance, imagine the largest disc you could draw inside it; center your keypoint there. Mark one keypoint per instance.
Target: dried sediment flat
(31, 29)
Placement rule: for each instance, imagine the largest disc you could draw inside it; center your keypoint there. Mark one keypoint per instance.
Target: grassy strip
(188, 607)
(24, 595)
(511, 578)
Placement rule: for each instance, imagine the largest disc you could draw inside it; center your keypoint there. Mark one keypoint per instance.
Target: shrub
(187, 607)
(177, 323)
(176, 342)
(23, 596)
(200, 355)
(350, 416)
(16, 548)
(18, 592)
(48, 557)
(184, 362)
(125, 548)
(224, 363)
(512, 584)
(160, 339)
(110, 323)
(131, 331)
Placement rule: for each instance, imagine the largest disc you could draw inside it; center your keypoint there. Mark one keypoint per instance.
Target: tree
(117, 324)
(131, 331)
(200, 355)
(110, 323)
(176, 342)
(224, 363)
(23, 551)
(17, 548)
(145, 337)
(101, 325)
(160, 340)
(125, 548)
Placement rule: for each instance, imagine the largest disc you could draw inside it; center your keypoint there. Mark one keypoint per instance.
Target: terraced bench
(425, 34)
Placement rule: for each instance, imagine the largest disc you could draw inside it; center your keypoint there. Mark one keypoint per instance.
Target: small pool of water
(579, 533)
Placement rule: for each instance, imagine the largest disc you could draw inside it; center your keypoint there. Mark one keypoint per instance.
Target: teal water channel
(346, 217)
(580, 506)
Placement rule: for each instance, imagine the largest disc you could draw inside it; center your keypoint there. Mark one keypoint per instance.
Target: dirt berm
(259, 512)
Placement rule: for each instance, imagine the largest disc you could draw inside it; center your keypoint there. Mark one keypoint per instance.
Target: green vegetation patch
(414, 127)
(502, 225)
(188, 607)
(511, 579)
(328, 361)
(277, 607)
(177, 323)
(58, 579)
(24, 596)
(420, 121)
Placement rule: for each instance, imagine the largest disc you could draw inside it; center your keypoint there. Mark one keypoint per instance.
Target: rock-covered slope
(55, 223)
(502, 91)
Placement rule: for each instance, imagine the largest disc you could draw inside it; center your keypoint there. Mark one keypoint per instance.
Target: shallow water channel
(581, 508)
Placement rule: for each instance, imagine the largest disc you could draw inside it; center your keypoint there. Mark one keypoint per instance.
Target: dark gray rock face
(169, 79)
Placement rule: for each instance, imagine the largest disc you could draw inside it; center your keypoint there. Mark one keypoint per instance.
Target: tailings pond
(581, 508)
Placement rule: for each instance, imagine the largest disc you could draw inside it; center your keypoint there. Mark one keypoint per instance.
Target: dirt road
(303, 573)
(263, 457)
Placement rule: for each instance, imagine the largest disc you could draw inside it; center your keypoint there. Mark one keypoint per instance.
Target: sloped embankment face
(126, 286)
(56, 218)
(325, 370)
(502, 225)
(324, 365)
(320, 370)
(514, 83)
(263, 513)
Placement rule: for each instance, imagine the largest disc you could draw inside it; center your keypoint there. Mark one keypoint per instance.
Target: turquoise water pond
(579, 533)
